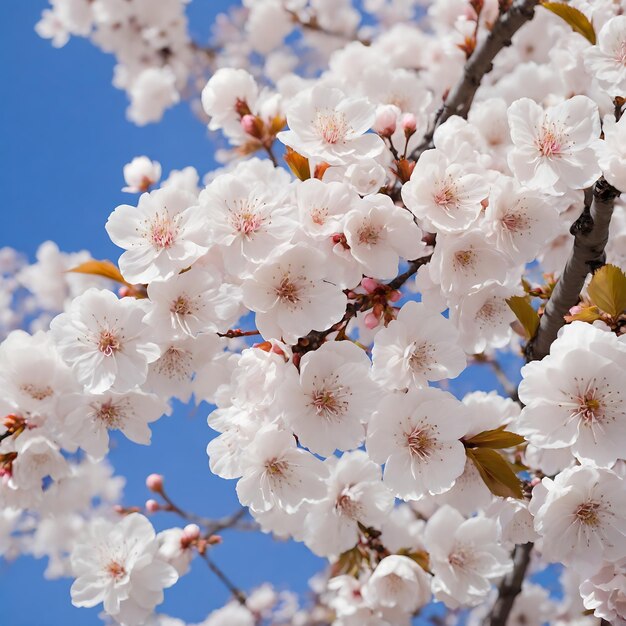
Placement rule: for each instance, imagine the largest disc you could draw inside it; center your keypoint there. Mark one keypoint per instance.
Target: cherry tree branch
(591, 233)
(510, 587)
(460, 98)
(239, 595)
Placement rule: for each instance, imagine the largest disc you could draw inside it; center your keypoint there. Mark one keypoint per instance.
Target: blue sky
(64, 142)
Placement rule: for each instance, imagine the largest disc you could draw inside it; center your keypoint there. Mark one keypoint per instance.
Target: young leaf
(100, 268)
(298, 164)
(575, 18)
(607, 290)
(496, 438)
(528, 317)
(586, 314)
(496, 472)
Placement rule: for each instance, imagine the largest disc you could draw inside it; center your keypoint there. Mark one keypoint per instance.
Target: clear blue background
(63, 141)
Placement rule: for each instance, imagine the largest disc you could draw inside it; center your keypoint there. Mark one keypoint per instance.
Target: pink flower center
(369, 234)
(180, 306)
(587, 513)
(589, 406)
(162, 232)
(108, 343)
(37, 393)
(115, 570)
(246, 222)
(550, 142)
(331, 126)
(276, 467)
(419, 442)
(445, 196)
(288, 291)
(348, 507)
(109, 414)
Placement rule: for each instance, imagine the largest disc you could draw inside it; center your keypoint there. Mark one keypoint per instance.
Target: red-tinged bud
(191, 532)
(371, 321)
(404, 169)
(340, 238)
(535, 481)
(152, 506)
(394, 296)
(484, 203)
(575, 309)
(253, 126)
(213, 540)
(124, 291)
(266, 346)
(118, 508)
(386, 120)
(369, 284)
(154, 482)
(409, 124)
(378, 310)
(242, 108)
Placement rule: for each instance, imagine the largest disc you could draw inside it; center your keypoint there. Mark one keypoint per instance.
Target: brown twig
(460, 98)
(239, 595)
(591, 233)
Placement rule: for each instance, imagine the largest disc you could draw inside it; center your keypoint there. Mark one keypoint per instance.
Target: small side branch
(239, 595)
(460, 98)
(510, 587)
(591, 233)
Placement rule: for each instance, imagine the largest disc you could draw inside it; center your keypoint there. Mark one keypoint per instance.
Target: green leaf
(607, 290)
(528, 317)
(497, 438)
(496, 472)
(100, 268)
(575, 18)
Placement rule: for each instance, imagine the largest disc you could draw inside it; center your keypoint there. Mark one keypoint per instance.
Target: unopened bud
(386, 120)
(409, 124)
(394, 296)
(252, 125)
(371, 321)
(152, 506)
(369, 284)
(154, 482)
(191, 532)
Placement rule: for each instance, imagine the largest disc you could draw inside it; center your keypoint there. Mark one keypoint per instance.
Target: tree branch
(510, 587)
(460, 98)
(239, 595)
(591, 232)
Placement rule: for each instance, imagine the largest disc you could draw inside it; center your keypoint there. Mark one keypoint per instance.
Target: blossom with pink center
(105, 341)
(444, 196)
(162, 235)
(140, 174)
(326, 124)
(417, 436)
(606, 61)
(553, 149)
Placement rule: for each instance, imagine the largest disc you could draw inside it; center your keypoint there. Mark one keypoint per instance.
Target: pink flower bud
(369, 284)
(191, 532)
(252, 125)
(152, 506)
(575, 309)
(394, 296)
(386, 119)
(371, 321)
(154, 482)
(409, 123)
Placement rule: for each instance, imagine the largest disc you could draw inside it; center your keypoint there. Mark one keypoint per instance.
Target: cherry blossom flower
(277, 473)
(379, 233)
(162, 235)
(606, 60)
(443, 195)
(553, 148)
(416, 435)
(464, 557)
(326, 124)
(605, 592)
(291, 295)
(105, 341)
(575, 397)
(140, 174)
(355, 495)
(118, 565)
(37, 457)
(417, 347)
(333, 398)
(397, 582)
(581, 516)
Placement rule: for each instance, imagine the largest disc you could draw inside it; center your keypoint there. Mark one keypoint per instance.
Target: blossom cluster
(325, 309)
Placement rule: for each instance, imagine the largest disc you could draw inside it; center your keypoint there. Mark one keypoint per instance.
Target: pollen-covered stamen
(319, 215)
(115, 570)
(181, 306)
(461, 557)
(287, 290)
(329, 400)
(108, 343)
(276, 467)
(463, 258)
(162, 231)
(420, 442)
(347, 506)
(420, 356)
(245, 216)
(175, 363)
(589, 406)
(369, 234)
(36, 392)
(331, 126)
(587, 513)
(551, 140)
(446, 195)
(515, 222)
(110, 414)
